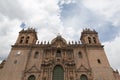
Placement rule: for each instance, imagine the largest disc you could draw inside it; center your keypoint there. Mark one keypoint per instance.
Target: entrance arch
(83, 77)
(31, 77)
(58, 73)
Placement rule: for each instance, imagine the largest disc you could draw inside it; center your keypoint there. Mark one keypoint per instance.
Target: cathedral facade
(58, 59)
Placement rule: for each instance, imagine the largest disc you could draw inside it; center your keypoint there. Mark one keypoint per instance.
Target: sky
(67, 17)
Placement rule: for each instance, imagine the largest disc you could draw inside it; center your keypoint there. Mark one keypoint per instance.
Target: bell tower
(97, 58)
(27, 37)
(90, 37)
(19, 55)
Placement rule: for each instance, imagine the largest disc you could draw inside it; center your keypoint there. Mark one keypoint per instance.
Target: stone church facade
(30, 59)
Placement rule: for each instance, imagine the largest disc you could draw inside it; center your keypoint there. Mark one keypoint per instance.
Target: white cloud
(8, 34)
(12, 9)
(109, 9)
(113, 52)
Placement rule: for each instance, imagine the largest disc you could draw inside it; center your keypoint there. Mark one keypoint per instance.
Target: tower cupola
(26, 37)
(89, 37)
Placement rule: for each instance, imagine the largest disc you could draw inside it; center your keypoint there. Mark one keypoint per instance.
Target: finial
(69, 42)
(41, 42)
(58, 34)
(72, 42)
(44, 42)
(38, 42)
(75, 42)
(48, 42)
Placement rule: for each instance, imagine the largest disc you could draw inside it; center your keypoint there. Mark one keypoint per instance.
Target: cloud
(112, 51)
(8, 34)
(108, 9)
(11, 9)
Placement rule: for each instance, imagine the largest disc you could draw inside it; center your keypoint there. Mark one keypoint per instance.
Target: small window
(27, 40)
(89, 40)
(21, 40)
(15, 62)
(32, 77)
(58, 54)
(94, 39)
(80, 55)
(36, 54)
(98, 60)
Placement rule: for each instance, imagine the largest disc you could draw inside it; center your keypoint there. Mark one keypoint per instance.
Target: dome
(59, 39)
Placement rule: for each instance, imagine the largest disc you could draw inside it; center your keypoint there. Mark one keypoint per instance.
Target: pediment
(33, 69)
(83, 69)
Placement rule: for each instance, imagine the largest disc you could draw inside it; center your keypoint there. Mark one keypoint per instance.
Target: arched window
(27, 40)
(58, 73)
(58, 53)
(21, 39)
(36, 54)
(83, 77)
(31, 77)
(15, 62)
(80, 55)
(89, 40)
(94, 39)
